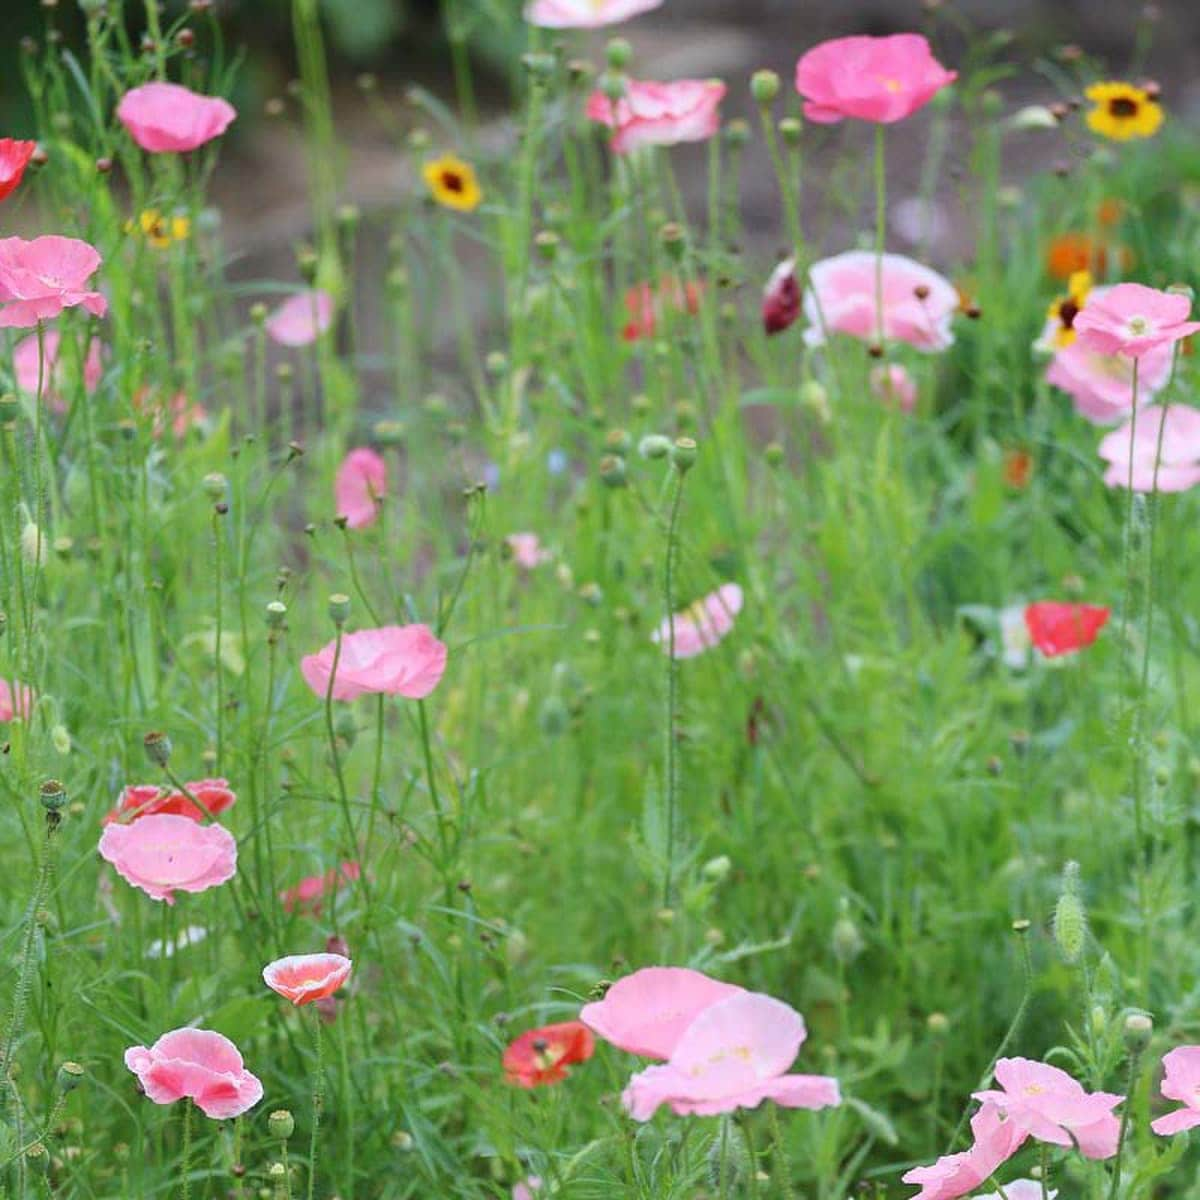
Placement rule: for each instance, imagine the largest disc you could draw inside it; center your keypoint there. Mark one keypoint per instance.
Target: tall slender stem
(672, 756)
(318, 1107)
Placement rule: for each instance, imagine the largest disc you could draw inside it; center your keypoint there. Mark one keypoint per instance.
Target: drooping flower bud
(1070, 919)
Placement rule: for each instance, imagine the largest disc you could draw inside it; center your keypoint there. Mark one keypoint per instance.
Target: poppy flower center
(1122, 107)
(1138, 326)
(452, 181)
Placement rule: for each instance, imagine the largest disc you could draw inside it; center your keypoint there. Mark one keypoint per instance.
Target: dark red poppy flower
(781, 298)
(1057, 628)
(14, 158)
(541, 1056)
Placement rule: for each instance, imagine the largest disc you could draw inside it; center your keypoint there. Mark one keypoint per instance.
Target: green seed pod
(339, 608)
(70, 1076)
(281, 1124)
(158, 748)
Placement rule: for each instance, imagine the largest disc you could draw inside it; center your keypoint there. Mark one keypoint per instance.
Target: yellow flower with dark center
(159, 230)
(1066, 308)
(452, 183)
(1123, 111)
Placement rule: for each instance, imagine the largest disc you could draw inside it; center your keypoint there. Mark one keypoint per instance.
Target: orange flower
(1072, 252)
(541, 1056)
(1018, 468)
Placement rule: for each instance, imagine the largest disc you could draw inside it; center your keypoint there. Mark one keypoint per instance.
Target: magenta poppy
(881, 79)
(397, 660)
(167, 118)
(781, 298)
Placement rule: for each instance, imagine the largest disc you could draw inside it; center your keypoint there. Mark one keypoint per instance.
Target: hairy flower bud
(1070, 919)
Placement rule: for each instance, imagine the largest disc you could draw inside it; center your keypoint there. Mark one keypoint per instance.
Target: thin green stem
(671, 781)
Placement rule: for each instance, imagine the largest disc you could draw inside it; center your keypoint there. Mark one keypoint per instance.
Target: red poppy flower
(541, 1056)
(647, 303)
(14, 158)
(213, 796)
(1064, 628)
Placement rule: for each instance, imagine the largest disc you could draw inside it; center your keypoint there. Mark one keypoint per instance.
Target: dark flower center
(452, 181)
(1123, 107)
(1068, 310)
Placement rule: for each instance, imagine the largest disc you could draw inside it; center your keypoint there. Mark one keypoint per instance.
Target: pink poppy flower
(526, 1188)
(184, 416)
(646, 304)
(39, 278)
(360, 486)
(1131, 319)
(1179, 463)
(735, 1054)
(542, 1056)
(703, 625)
(308, 894)
(16, 701)
(165, 853)
(781, 298)
(585, 14)
(1181, 1081)
(167, 118)
(527, 550)
(660, 114)
(213, 796)
(954, 1175)
(918, 303)
(26, 368)
(646, 1013)
(14, 158)
(894, 387)
(1057, 629)
(303, 978)
(1050, 1106)
(882, 79)
(1021, 1189)
(199, 1064)
(397, 660)
(301, 318)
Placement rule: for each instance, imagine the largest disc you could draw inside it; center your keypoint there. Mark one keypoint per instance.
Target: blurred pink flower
(169, 118)
(1179, 463)
(1181, 1081)
(660, 114)
(525, 1189)
(14, 158)
(882, 79)
(1046, 1103)
(397, 660)
(139, 800)
(301, 318)
(527, 550)
(198, 1063)
(585, 14)
(703, 624)
(26, 369)
(165, 853)
(954, 1175)
(735, 1054)
(646, 1013)
(893, 386)
(307, 895)
(16, 701)
(781, 298)
(1132, 319)
(1021, 1189)
(918, 303)
(303, 978)
(39, 278)
(183, 414)
(360, 486)
(646, 304)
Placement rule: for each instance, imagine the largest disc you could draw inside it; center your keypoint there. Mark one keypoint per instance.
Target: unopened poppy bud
(1035, 116)
(612, 470)
(419, 140)
(1139, 1029)
(764, 87)
(339, 609)
(683, 454)
(53, 796)
(185, 38)
(654, 445)
(773, 454)
(158, 748)
(215, 485)
(307, 263)
(336, 944)
(847, 943)
(618, 54)
(1070, 920)
(70, 1076)
(737, 133)
(546, 243)
(618, 441)
(347, 217)
(612, 84)
(674, 240)
(60, 738)
(34, 544)
(402, 1140)
(281, 1124)
(790, 130)
(717, 869)
(815, 398)
(258, 314)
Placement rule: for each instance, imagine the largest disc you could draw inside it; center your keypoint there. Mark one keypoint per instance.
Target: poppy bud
(938, 1024)
(158, 748)
(773, 455)
(654, 445)
(790, 130)
(847, 943)
(612, 470)
(70, 1076)
(737, 133)
(281, 1124)
(764, 87)
(612, 84)
(717, 869)
(61, 739)
(683, 454)
(276, 614)
(546, 243)
(339, 609)
(215, 485)
(53, 796)
(1070, 919)
(1139, 1029)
